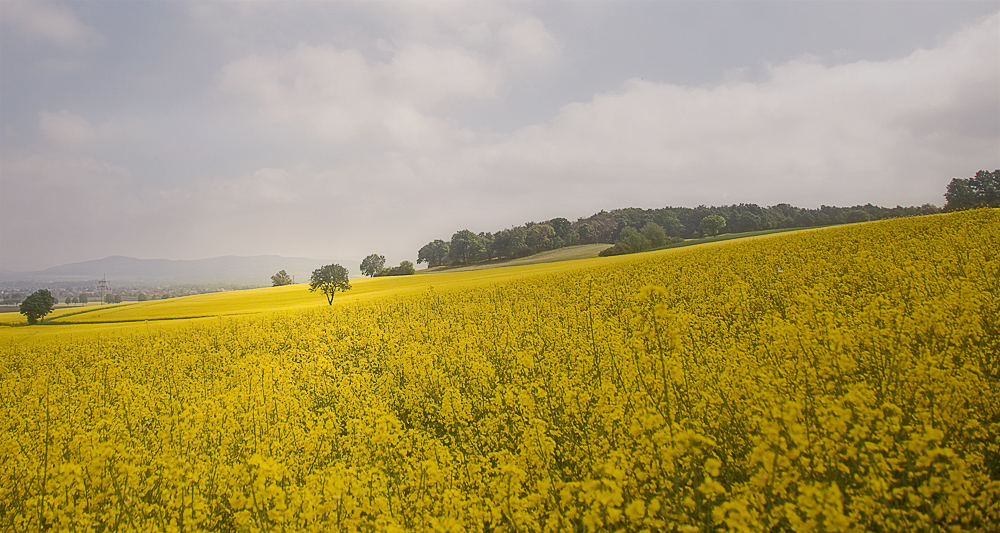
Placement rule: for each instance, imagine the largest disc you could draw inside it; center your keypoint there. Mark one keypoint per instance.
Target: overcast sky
(186, 130)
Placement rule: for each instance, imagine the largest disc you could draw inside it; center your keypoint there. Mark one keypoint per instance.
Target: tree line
(981, 190)
(658, 226)
(374, 266)
(634, 229)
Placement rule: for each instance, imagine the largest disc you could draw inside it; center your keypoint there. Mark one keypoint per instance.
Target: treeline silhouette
(673, 223)
(981, 190)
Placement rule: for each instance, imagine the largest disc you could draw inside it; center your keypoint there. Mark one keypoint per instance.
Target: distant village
(69, 294)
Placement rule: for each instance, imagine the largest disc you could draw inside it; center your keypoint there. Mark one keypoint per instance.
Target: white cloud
(382, 134)
(343, 97)
(47, 22)
(265, 188)
(527, 44)
(881, 132)
(52, 205)
(426, 76)
(399, 93)
(67, 128)
(806, 134)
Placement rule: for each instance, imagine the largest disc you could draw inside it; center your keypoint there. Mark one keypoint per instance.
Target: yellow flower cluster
(845, 379)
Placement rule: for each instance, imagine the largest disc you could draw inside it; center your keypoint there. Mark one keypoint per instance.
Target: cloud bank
(882, 132)
(376, 142)
(49, 23)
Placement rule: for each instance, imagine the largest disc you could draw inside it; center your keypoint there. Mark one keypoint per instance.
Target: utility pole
(103, 284)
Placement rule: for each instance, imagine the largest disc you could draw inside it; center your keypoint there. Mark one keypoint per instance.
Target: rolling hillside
(228, 270)
(177, 312)
(842, 379)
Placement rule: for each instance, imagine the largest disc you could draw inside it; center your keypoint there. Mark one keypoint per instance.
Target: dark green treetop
(37, 305)
(373, 264)
(712, 225)
(434, 253)
(281, 278)
(981, 190)
(328, 280)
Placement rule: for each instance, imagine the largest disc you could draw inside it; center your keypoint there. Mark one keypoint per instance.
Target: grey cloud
(67, 128)
(343, 129)
(401, 98)
(48, 22)
(807, 134)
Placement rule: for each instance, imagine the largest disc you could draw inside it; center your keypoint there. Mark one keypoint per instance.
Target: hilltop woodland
(981, 190)
(635, 229)
(839, 381)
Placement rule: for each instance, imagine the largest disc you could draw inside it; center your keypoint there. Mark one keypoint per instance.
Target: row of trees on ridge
(981, 190)
(622, 225)
(374, 266)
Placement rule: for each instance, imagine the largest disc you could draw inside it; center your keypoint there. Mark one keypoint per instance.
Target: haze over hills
(228, 270)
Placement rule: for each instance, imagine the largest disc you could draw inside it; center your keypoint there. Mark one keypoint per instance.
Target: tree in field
(981, 190)
(856, 215)
(670, 223)
(405, 268)
(629, 241)
(37, 305)
(373, 264)
(604, 227)
(68, 300)
(281, 278)
(987, 187)
(489, 251)
(655, 234)
(539, 237)
(82, 298)
(564, 231)
(509, 243)
(466, 247)
(632, 240)
(746, 222)
(434, 253)
(712, 225)
(959, 195)
(328, 280)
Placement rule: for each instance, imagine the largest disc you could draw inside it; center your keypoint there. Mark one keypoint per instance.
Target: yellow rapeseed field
(843, 379)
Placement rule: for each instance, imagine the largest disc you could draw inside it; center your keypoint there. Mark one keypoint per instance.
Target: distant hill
(227, 270)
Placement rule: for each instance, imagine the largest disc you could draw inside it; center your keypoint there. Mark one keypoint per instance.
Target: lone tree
(329, 279)
(712, 224)
(373, 264)
(281, 278)
(37, 305)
